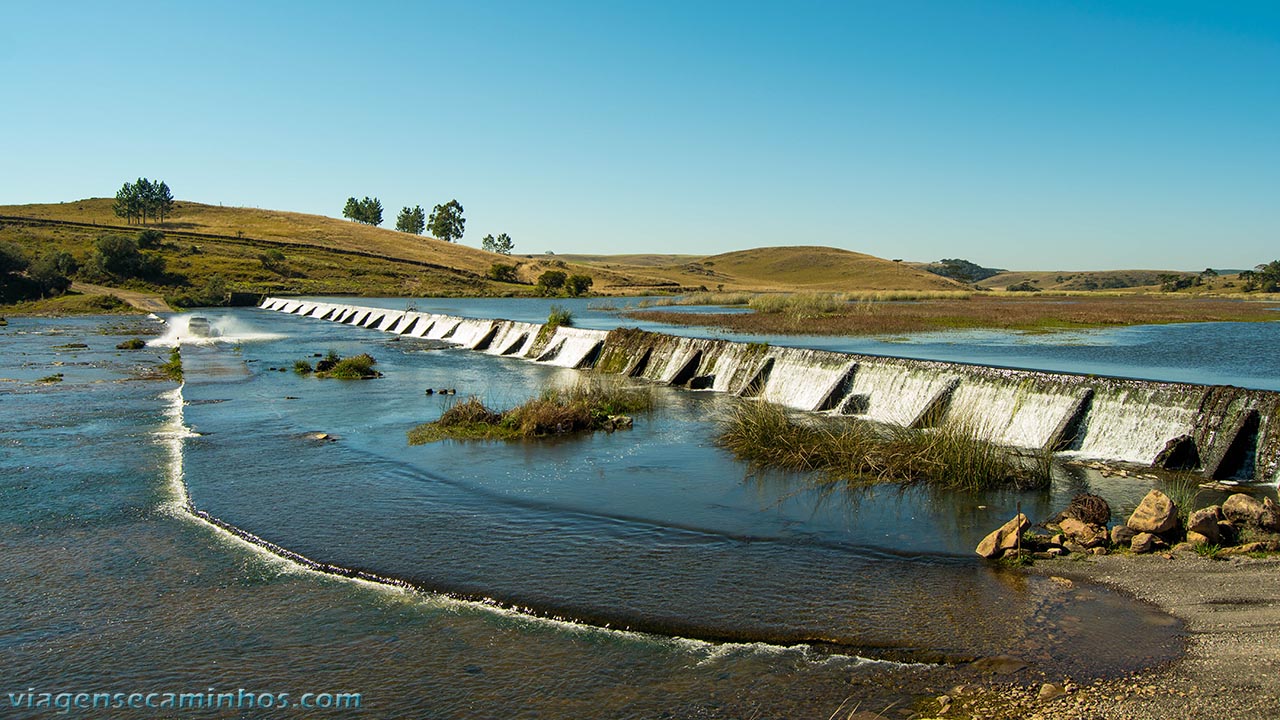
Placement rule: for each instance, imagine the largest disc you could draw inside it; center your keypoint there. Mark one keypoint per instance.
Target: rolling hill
(325, 255)
(811, 268)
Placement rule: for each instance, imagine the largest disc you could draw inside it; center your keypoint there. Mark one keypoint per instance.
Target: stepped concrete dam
(1219, 431)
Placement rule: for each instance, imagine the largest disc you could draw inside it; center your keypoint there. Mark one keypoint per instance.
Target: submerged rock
(1004, 538)
(998, 664)
(617, 422)
(1155, 514)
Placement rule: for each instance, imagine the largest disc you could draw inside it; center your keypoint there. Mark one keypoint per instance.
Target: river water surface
(642, 573)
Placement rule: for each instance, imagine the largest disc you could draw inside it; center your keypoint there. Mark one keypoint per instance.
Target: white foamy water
(1013, 414)
(895, 394)
(1135, 424)
(800, 380)
(221, 330)
(569, 347)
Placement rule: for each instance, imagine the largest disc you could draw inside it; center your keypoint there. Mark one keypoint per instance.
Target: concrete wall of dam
(1219, 431)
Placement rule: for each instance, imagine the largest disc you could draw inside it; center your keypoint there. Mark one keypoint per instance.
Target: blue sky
(1019, 134)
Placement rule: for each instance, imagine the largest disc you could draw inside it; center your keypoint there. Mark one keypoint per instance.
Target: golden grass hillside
(406, 253)
(328, 255)
(808, 268)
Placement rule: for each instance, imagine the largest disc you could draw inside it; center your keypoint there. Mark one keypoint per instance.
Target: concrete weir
(1220, 431)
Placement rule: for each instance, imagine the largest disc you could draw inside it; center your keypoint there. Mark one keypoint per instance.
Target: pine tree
(501, 244)
(412, 220)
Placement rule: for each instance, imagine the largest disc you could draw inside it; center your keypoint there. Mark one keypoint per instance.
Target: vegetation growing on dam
(585, 407)
(831, 315)
(857, 451)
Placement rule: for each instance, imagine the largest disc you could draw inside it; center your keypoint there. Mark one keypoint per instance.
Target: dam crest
(1218, 431)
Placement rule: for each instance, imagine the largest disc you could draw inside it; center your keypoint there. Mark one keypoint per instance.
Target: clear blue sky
(1020, 134)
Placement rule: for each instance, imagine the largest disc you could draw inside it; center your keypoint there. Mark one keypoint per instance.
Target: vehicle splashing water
(200, 329)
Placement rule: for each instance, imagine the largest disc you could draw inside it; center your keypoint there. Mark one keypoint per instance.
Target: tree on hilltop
(501, 244)
(138, 200)
(412, 221)
(446, 221)
(367, 211)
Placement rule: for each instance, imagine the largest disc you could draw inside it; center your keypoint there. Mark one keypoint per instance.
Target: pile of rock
(1242, 524)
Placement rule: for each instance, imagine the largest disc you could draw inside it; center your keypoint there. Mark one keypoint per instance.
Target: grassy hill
(809, 268)
(325, 255)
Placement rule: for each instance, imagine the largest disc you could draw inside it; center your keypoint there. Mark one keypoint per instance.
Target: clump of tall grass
(800, 305)
(701, 298)
(952, 455)
(173, 367)
(557, 411)
(356, 367)
(907, 295)
(1184, 490)
(560, 315)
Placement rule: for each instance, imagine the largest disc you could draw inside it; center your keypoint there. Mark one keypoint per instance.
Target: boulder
(1085, 534)
(1242, 509)
(1227, 533)
(1204, 522)
(1146, 542)
(1003, 538)
(1155, 514)
(1270, 518)
(1261, 546)
(1122, 535)
(1195, 539)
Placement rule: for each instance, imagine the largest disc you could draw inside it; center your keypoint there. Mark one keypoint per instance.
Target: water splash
(221, 330)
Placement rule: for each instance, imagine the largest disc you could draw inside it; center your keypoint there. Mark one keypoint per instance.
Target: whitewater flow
(222, 330)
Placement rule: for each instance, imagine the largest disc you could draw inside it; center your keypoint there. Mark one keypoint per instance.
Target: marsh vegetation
(849, 450)
(830, 314)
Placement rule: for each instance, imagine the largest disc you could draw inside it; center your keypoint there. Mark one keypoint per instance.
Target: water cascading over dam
(1219, 431)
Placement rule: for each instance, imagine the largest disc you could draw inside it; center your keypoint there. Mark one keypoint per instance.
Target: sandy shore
(1231, 609)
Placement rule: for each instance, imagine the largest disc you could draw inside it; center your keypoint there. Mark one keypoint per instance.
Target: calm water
(637, 574)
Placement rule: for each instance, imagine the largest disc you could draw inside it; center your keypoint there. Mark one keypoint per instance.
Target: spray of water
(207, 331)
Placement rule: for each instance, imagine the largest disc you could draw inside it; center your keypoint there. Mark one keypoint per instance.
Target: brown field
(982, 311)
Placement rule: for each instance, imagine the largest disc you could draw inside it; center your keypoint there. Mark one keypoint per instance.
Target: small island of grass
(585, 407)
(356, 367)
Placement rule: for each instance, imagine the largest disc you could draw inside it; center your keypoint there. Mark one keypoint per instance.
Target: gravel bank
(1231, 609)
